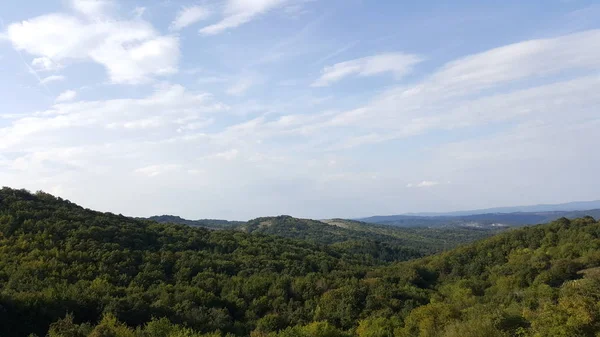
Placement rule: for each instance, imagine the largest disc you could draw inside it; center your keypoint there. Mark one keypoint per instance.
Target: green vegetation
(66, 271)
(205, 223)
(426, 240)
(372, 241)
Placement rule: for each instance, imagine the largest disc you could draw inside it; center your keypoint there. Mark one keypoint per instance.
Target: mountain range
(479, 220)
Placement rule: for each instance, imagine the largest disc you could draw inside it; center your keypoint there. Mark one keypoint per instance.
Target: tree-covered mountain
(72, 272)
(206, 223)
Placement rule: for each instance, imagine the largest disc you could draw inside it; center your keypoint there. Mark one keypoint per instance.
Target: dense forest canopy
(206, 223)
(68, 271)
(379, 242)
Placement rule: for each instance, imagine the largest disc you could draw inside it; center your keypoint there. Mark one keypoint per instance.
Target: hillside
(70, 271)
(479, 220)
(58, 258)
(205, 223)
(426, 239)
(386, 243)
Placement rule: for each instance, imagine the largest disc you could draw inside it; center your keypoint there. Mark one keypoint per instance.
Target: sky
(236, 109)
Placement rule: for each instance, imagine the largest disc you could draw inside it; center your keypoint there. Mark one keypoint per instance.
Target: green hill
(381, 242)
(427, 240)
(205, 223)
(72, 272)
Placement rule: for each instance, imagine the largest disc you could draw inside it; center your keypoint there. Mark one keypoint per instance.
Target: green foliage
(205, 223)
(371, 242)
(66, 271)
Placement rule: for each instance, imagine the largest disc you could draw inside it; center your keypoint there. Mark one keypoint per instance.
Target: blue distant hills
(499, 216)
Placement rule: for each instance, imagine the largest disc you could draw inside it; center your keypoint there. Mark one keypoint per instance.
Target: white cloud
(212, 79)
(455, 96)
(239, 12)
(130, 51)
(399, 64)
(144, 123)
(514, 62)
(95, 9)
(154, 170)
(66, 96)
(188, 16)
(170, 108)
(424, 183)
(228, 155)
(52, 78)
(195, 125)
(44, 64)
(139, 11)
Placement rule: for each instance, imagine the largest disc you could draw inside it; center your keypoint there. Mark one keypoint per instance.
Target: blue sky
(314, 108)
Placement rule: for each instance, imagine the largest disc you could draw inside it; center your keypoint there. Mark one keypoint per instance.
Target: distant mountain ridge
(480, 220)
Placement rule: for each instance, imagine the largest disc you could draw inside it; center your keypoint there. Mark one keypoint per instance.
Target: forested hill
(71, 272)
(206, 223)
(58, 258)
(381, 242)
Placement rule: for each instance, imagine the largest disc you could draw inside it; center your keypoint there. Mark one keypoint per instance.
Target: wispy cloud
(424, 184)
(212, 79)
(239, 12)
(337, 52)
(399, 64)
(453, 97)
(188, 16)
(243, 84)
(52, 78)
(66, 96)
(228, 155)
(45, 64)
(155, 170)
(95, 9)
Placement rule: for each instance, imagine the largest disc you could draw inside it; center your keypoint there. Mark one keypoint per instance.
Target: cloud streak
(188, 16)
(52, 78)
(399, 64)
(239, 12)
